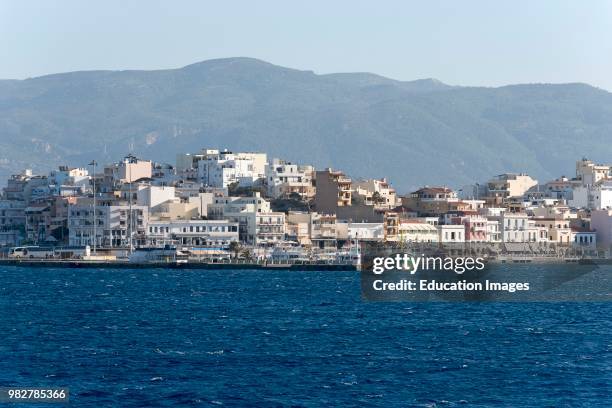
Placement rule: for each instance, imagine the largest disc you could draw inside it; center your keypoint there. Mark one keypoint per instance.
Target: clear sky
(458, 42)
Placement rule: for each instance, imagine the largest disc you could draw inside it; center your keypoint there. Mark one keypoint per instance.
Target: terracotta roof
(402, 209)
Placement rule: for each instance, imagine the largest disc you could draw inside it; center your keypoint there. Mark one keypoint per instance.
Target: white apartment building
(508, 185)
(220, 169)
(257, 223)
(324, 230)
(188, 161)
(69, 181)
(186, 165)
(594, 197)
(113, 224)
(366, 231)
(284, 179)
(153, 196)
(270, 228)
(128, 170)
(590, 173)
(516, 227)
(557, 229)
(493, 230)
(185, 208)
(318, 230)
(217, 234)
(451, 233)
(376, 192)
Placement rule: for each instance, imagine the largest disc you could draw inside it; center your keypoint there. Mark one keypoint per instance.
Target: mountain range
(414, 133)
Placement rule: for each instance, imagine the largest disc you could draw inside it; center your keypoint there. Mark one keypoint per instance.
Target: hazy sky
(459, 42)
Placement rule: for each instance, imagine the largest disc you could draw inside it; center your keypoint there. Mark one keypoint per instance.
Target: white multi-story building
(197, 233)
(221, 169)
(128, 170)
(594, 197)
(590, 173)
(68, 175)
(376, 192)
(69, 181)
(257, 223)
(114, 224)
(188, 161)
(366, 231)
(284, 179)
(321, 231)
(185, 208)
(557, 229)
(270, 228)
(516, 227)
(451, 233)
(508, 185)
(493, 230)
(153, 196)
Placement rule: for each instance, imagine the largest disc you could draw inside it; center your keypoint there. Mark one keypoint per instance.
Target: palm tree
(377, 198)
(235, 248)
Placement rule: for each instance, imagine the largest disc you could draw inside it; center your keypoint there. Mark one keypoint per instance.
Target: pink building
(475, 225)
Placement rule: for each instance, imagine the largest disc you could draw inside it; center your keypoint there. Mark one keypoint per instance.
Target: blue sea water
(147, 338)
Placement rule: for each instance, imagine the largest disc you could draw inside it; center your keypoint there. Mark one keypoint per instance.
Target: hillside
(419, 132)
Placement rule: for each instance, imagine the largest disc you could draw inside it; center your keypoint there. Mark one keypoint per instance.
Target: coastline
(79, 263)
(74, 263)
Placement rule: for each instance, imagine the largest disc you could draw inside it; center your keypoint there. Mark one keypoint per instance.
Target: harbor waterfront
(314, 266)
(173, 337)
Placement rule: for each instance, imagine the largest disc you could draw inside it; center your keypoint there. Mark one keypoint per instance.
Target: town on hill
(220, 204)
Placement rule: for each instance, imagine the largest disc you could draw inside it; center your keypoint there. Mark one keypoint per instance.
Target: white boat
(167, 254)
(289, 255)
(352, 256)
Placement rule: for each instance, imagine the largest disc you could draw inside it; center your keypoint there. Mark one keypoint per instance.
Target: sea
(251, 338)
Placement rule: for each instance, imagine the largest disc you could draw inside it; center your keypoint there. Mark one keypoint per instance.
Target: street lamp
(93, 177)
(130, 158)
